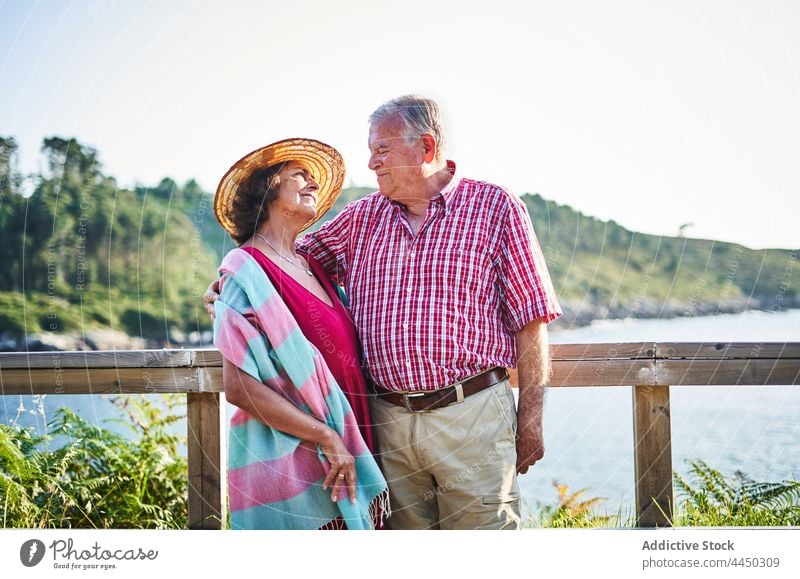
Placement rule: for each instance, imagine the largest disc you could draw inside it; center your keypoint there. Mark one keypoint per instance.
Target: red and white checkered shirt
(436, 307)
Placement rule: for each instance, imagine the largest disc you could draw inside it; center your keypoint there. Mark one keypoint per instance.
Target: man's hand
(530, 437)
(211, 295)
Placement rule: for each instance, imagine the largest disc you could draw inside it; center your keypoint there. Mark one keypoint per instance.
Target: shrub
(573, 511)
(96, 478)
(718, 501)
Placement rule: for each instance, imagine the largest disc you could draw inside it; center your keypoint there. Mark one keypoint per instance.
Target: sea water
(589, 431)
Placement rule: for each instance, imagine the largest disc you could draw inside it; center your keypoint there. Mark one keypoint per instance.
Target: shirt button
(408, 364)
(413, 253)
(408, 289)
(405, 326)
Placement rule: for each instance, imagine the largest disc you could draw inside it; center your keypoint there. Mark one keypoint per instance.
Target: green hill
(602, 270)
(78, 253)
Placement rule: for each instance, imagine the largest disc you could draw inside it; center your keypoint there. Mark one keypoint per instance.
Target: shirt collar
(445, 196)
(449, 190)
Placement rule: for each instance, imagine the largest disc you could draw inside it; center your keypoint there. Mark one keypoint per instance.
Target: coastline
(581, 315)
(576, 316)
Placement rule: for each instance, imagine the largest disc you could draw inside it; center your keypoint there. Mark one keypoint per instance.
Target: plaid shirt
(444, 304)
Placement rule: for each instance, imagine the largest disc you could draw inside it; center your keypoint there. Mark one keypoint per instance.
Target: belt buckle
(406, 404)
(459, 386)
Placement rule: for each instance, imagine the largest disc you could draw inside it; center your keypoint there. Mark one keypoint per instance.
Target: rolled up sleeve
(526, 290)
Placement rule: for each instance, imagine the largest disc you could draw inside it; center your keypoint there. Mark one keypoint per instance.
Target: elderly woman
(300, 440)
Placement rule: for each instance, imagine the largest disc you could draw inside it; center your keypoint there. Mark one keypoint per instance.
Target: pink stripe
(240, 417)
(313, 393)
(232, 337)
(234, 260)
(274, 315)
(274, 480)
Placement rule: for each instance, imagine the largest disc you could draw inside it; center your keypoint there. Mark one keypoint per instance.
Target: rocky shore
(576, 314)
(100, 339)
(579, 314)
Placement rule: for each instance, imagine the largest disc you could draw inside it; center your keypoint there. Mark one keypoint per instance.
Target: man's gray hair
(419, 115)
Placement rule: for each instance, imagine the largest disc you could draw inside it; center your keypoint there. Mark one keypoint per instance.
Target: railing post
(653, 456)
(207, 483)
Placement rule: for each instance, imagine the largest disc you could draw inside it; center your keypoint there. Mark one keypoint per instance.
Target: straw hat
(324, 162)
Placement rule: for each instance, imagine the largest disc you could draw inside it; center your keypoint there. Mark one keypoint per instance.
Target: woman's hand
(211, 295)
(343, 467)
(244, 391)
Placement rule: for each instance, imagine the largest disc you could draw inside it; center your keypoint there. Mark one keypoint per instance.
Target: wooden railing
(649, 368)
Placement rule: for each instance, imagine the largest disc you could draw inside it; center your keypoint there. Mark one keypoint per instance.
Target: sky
(653, 114)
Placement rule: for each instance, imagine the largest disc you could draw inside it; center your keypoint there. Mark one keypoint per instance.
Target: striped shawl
(275, 479)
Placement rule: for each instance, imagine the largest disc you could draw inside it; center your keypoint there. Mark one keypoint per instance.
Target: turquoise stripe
(250, 366)
(257, 352)
(234, 296)
(297, 349)
(339, 408)
(250, 276)
(253, 441)
(370, 479)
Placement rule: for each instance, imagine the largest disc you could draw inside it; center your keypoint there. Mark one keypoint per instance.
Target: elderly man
(448, 288)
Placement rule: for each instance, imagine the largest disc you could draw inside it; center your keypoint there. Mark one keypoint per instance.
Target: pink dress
(330, 329)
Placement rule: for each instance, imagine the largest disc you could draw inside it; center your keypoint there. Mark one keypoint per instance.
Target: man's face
(397, 164)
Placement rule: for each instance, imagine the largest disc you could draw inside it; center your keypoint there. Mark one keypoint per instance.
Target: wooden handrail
(649, 367)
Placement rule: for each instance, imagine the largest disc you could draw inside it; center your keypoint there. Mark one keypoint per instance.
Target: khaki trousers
(454, 467)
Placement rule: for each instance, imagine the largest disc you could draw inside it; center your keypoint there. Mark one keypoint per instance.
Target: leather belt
(430, 400)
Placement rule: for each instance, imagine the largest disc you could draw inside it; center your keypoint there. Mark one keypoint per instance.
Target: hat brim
(324, 162)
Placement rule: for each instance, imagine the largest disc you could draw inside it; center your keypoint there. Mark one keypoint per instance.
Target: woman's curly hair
(252, 200)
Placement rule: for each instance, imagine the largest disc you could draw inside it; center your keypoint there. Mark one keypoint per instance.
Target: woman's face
(297, 193)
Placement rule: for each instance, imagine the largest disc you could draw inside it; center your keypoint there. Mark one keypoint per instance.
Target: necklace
(283, 257)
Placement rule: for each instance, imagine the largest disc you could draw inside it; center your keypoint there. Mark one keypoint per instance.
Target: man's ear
(429, 147)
